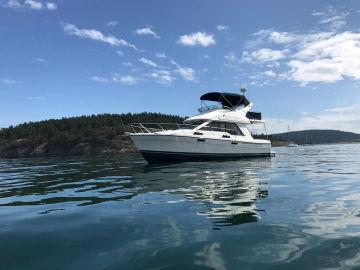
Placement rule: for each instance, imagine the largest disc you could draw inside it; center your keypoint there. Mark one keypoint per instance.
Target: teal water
(299, 210)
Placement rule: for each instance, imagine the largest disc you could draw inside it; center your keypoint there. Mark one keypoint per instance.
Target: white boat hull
(156, 147)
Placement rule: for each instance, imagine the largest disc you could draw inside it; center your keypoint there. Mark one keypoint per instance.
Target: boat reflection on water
(229, 190)
(226, 191)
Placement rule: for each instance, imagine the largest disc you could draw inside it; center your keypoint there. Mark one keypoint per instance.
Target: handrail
(144, 128)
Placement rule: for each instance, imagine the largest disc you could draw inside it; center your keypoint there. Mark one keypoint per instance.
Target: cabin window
(233, 129)
(192, 124)
(230, 128)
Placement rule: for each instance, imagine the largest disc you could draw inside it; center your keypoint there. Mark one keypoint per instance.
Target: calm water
(299, 210)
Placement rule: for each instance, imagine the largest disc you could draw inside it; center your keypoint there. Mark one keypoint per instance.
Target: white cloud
(119, 53)
(93, 34)
(204, 57)
(324, 70)
(158, 74)
(335, 22)
(160, 55)
(231, 56)
(174, 63)
(327, 60)
(101, 79)
(51, 6)
(116, 78)
(188, 74)
(36, 98)
(128, 64)
(7, 81)
(263, 55)
(342, 118)
(162, 77)
(14, 4)
(317, 13)
(270, 73)
(34, 4)
(30, 4)
(146, 31)
(148, 62)
(222, 27)
(273, 36)
(273, 65)
(112, 23)
(328, 46)
(38, 60)
(281, 37)
(313, 57)
(332, 18)
(197, 39)
(125, 79)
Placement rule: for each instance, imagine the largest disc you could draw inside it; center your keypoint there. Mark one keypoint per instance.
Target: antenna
(243, 90)
(247, 87)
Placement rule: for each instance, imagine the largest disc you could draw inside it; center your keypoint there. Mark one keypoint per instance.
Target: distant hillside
(316, 136)
(84, 135)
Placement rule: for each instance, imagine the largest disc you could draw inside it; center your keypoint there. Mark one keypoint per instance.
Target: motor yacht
(217, 132)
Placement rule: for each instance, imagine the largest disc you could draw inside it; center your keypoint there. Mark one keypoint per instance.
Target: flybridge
(229, 101)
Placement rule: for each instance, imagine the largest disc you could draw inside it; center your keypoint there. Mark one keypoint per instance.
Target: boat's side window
(192, 124)
(233, 129)
(230, 128)
(207, 128)
(212, 126)
(218, 126)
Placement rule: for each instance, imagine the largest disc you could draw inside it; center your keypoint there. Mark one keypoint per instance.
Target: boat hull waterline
(163, 148)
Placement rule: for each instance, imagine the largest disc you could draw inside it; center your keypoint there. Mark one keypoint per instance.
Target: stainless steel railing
(156, 127)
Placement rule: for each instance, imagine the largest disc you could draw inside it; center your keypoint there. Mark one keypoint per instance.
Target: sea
(297, 210)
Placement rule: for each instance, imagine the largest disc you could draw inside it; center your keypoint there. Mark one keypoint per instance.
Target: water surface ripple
(299, 210)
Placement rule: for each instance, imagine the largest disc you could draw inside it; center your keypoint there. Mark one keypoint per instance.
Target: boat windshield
(208, 107)
(211, 105)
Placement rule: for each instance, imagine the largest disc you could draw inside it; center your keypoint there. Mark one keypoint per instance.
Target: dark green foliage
(108, 125)
(60, 136)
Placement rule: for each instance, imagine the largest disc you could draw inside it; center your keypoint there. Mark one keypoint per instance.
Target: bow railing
(155, 127)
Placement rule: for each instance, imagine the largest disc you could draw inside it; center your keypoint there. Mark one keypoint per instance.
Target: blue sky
(299, 59)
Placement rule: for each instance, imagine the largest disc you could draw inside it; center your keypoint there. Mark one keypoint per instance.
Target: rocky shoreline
(23, 148)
